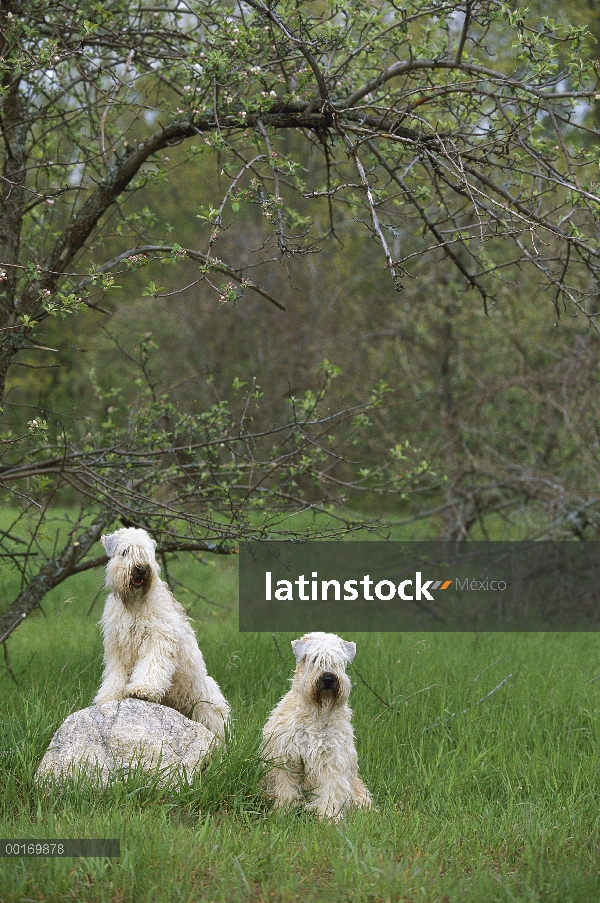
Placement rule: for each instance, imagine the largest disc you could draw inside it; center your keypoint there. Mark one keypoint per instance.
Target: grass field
(496, 802)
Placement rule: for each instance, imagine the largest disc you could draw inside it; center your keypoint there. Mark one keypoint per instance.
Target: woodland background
(416, 185)
(301, 270)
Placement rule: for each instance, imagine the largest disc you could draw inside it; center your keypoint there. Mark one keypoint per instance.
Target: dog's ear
(349, 650)
(109, 543)
(299, 649)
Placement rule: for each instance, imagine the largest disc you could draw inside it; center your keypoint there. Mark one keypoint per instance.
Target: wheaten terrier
(309, 738)
(150, 650)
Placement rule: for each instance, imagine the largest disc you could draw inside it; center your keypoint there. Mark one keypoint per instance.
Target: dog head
(320, 675)
(132, 568)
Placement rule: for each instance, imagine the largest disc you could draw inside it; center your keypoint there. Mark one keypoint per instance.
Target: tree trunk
(12, 198)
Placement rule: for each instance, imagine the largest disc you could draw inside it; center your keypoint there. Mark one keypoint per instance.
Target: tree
(204, 483)
(447, 128)
(413, 120)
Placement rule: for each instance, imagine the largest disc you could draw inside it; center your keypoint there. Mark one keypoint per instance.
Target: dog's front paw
(141, 693)
(109, 693)
(328, 807)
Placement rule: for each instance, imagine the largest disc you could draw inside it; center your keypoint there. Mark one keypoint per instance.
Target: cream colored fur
(150, 649)
(309, 735)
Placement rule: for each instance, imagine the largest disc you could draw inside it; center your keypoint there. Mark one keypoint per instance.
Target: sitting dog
(309, 738)
(150, 650)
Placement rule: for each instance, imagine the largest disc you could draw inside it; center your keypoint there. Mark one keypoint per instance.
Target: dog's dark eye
(124, 552)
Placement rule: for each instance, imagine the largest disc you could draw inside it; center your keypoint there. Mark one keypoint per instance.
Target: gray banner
(419, 586)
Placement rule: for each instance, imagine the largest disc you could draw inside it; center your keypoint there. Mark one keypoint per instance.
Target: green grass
(498, 802)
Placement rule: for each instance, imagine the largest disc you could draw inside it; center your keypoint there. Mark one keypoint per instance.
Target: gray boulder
(113, 737)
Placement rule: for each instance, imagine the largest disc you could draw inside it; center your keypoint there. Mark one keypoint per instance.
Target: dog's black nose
(328, 680)
(139, 573)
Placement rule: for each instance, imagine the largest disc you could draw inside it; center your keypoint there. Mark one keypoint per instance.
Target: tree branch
(265, 11)
(50, 575)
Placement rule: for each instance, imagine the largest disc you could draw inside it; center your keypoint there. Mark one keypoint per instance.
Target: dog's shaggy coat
(150, 649)
(308, 737)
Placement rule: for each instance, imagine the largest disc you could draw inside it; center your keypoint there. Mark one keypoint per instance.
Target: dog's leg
(212, 717)
(114, 678)
(339, 788)
(360, 795)
(331, 794)
(151, 677)
(283, 784)
(211, 708)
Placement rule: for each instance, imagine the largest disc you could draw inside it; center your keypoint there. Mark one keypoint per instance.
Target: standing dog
(150, 650)
(309, 737)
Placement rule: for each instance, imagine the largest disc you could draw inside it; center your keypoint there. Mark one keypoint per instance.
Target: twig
(212, 262)
(266, 11)
(464, 711)
(20, 495)
(116, 89)
(228, 194)
(275, 171)
(94, 600)
(491, 693)
(163, 558)
(487, 668)
(352, 152)
(7, 663)
(374, 692)
(463, 36)
(278, 649)
(12, 627)
(179, 584)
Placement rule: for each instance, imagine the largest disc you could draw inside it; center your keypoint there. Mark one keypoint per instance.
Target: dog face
(321, 668)
(132, 568)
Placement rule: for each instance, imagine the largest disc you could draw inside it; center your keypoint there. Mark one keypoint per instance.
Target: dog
(150, 649)
(308, 737)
